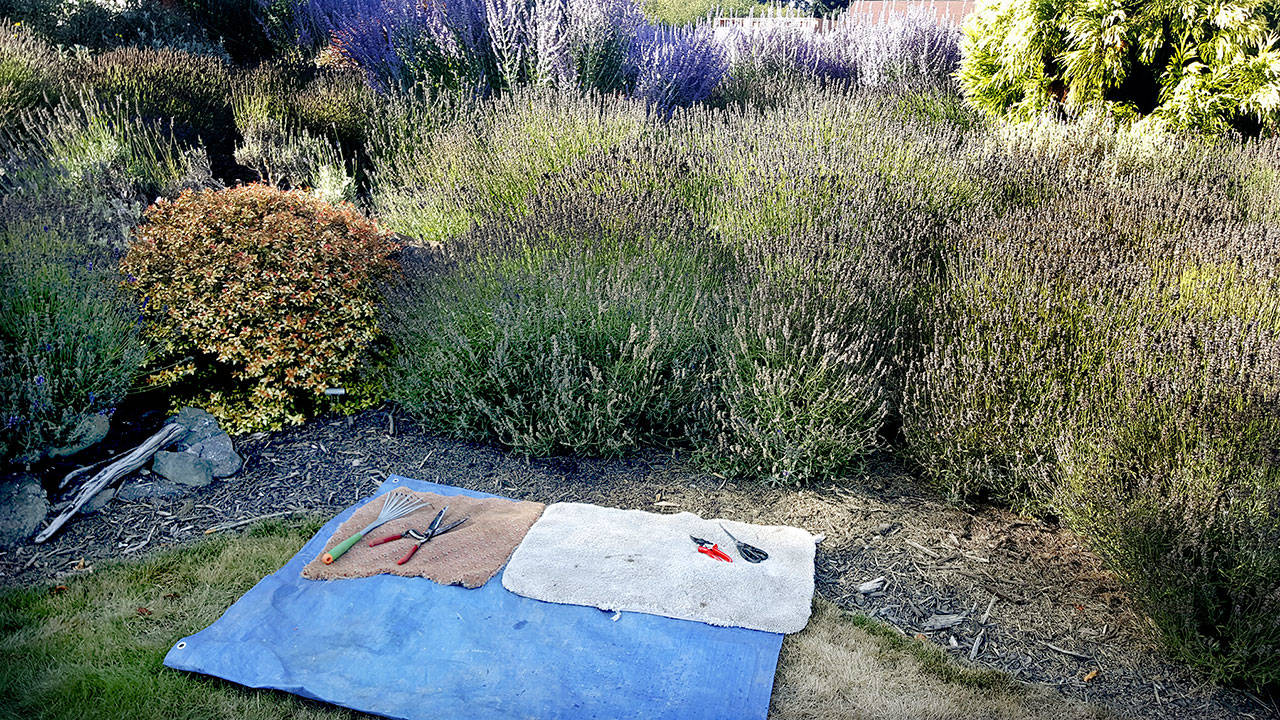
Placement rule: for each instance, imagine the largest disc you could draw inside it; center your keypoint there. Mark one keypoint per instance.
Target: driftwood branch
(131, 461)
(81, 471)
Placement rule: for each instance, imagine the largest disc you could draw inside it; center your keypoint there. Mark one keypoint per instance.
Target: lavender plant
(832, 293)
(798, 385)
(70, 344)
(798, 388)
(911, 47)
(189, 92)
(95, 163)
(583, 327)
(1174, 481)
(438, 166)
(335, 102)
(765, 64)
(30, 72)
(1115, 366)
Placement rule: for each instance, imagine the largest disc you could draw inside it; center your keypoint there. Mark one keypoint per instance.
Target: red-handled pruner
(420, 537)
(706, 547)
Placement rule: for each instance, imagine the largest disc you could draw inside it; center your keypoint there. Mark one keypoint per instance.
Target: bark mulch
(1006, 592)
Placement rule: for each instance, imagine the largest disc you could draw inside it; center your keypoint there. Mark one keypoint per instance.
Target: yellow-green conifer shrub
(1199, 65)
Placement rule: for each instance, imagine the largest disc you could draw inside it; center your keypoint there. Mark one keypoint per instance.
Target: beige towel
(469, 555)
(632, 560)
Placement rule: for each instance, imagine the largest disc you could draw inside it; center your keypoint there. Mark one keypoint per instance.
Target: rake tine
(395, 505)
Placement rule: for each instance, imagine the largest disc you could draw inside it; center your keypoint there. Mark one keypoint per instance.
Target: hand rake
(395, 506)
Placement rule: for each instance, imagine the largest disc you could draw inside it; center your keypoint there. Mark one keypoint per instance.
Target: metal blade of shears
(450, 526)
(435, 524)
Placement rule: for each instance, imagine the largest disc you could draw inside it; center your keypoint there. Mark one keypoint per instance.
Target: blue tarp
(410, 648)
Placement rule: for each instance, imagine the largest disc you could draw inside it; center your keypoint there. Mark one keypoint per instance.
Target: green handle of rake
(341, 548)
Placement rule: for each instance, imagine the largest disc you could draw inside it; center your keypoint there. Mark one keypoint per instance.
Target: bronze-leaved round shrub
(261, 298)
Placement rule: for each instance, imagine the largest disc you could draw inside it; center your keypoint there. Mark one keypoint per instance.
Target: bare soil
(1034, 602)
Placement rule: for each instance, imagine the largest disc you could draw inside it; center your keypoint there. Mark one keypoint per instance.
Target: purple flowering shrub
(677, 67)
(488, 46)
(478, 45)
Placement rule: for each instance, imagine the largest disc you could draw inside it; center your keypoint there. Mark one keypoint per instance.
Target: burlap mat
(469, 555)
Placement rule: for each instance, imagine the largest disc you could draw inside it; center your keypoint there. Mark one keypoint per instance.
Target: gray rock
(183, 468)
(89, 431)
(99, 501)
(206, 440)
(200, 426)
(23, 506)
(154, 490)
(220, 453)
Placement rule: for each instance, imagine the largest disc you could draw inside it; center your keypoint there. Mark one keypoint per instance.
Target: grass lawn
(92, 647)
(686, 12)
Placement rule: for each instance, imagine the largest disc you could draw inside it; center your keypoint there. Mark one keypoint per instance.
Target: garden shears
(433, 530)
(750, 553)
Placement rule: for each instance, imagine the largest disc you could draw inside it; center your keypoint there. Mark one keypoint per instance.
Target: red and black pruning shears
(706, 547)
(419, 538)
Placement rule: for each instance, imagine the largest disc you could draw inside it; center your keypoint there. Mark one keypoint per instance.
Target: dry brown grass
(846, 668)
